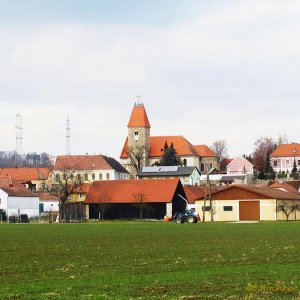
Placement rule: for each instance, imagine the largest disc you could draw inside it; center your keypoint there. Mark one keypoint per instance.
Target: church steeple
(139, 131)
(139, 117)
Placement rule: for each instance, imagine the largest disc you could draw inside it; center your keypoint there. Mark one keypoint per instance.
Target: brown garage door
(249, 211)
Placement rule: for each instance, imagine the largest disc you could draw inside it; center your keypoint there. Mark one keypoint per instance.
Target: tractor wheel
(191, 219)
(179, 221)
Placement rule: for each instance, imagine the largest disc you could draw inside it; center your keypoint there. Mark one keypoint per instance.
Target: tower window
(136, 135)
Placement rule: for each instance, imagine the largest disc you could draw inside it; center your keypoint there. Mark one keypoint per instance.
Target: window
(0, 200)
(100, 176)
(210, 165)
(299, 162)
(57, 177)
(78, 176)
(93, 176)
(275, 163)
(227, 208)
(71, 176)
(86, 176)
(287, 162)
(136, 135)
(107, 176)
(80, 195)
(184, 162)
(202, 167)
(207, 208)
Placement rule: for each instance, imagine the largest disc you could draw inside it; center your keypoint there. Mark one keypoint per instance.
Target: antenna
(68, 137)
(19, 134)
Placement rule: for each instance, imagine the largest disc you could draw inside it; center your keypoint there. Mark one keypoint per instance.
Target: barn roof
(260, 191)
(127, 191)
(14, 188)
(204, 151)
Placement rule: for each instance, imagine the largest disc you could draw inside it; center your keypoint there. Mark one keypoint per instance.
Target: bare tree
(104, 205)
(220, 148)
(63, 184)
(138, 157)
(139, 202)
(263, 148)
(287, 207)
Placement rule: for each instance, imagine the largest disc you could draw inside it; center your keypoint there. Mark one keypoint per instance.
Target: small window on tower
(136, 135)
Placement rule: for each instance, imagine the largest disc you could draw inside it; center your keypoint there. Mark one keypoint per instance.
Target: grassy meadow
(150, 260)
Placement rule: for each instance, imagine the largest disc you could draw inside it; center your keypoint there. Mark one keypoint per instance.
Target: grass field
(150, 260)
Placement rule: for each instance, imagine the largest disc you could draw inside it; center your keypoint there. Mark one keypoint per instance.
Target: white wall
(50, 206)
(24, 205)
(3, 201)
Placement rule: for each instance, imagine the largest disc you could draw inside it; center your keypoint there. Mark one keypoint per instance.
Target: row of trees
(11, 159)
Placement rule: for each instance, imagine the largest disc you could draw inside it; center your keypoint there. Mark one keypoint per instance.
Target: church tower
(139, 129)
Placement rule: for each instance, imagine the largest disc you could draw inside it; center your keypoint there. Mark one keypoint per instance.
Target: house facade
(240, 165)
(283, 157)
(17, 199)
(90, 167)
(146, 150)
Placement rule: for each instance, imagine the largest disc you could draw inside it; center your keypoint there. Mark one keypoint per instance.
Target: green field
(150, 260)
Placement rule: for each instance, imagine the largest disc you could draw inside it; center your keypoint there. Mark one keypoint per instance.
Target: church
(141, 149)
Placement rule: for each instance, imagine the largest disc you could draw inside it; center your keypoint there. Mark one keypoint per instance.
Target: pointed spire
(139, 117)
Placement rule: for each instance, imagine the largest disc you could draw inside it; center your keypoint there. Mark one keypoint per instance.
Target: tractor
(187, 216)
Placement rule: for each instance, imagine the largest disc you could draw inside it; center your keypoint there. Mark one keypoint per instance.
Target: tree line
(11, 159)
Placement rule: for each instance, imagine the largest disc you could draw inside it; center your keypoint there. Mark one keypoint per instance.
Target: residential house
(123, 199)
(17, 199)
(240, 165)
(32, 178)
(150, 148)
(245, 203)
(91, 167)
(283, 157)
(187, 175)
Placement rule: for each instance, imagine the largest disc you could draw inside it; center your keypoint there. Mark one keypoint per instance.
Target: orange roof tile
(139, 117)
(25, 174)
(14, 188)
(204, 151)
(181, 145)
(45, 196)
(125, 191)
(193, 193)
(87, 162)
(287, 150)
(284, 186)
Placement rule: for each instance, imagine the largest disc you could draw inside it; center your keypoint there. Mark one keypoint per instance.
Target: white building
(17, 199)
(284, 156)
(91, 167)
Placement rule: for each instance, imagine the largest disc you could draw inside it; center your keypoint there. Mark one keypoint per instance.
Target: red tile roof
(194, 193)
(14, 188)
(287, 150)
(262, 191)
(87, 162)
(284, 186)
(139, 117)
(83, 188)
(25, 174)
(125, 191)
(181, 145)
(204, 151)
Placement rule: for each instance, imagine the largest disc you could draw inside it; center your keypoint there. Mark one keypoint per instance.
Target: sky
(206, 70)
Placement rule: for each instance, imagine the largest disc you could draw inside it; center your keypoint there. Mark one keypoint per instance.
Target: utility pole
(208, 197)
(19, 138)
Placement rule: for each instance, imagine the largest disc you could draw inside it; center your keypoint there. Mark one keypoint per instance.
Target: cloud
(230, 73)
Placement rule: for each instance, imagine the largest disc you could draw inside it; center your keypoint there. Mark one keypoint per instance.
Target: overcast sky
(206, 70)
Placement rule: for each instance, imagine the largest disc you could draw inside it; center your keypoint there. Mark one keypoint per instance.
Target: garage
(249, 210)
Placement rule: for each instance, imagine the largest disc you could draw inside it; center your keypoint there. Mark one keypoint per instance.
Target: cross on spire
(138, 98)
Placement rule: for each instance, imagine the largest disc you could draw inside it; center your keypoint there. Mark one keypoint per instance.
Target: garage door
(249, 211)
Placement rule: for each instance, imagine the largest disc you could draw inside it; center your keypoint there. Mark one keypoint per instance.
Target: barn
(244, 203)
(132, 199)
